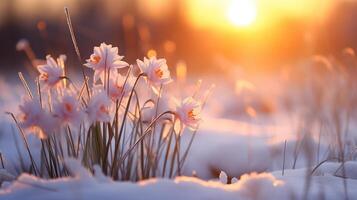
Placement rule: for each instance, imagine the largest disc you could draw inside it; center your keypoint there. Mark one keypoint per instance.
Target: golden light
(151, 53)
(221, 14)
(181, 71)
(242, 12)
(251, 15)
(154, 9)
(243, 85)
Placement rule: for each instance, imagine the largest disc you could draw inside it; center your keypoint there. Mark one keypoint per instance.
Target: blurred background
(288, 64)
(204, 35)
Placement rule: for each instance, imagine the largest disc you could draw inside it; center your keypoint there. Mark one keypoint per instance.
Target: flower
(120, 86)
(32, 116)
(156, 71)
(67, 109)
(104, 59)
(98, 108)
(31, 113)
(51, 72)
(189, 111)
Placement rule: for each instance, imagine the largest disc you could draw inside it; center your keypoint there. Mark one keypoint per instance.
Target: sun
(242, 12)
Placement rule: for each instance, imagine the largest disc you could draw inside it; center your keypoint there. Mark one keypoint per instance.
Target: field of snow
(250, 186)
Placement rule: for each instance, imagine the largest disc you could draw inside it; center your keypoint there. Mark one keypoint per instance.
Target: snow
(234, 149)
(223, 178)
(250, 186)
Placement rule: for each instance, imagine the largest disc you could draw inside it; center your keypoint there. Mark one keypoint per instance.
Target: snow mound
(83, 185)
(180, 188)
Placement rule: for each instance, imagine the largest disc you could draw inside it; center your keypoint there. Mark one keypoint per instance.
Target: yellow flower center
(24, 117)
(103, 109)
(95, 59)
(191, 115)
(119, 87)
(159, 73)
(44, 76)
(68, 107)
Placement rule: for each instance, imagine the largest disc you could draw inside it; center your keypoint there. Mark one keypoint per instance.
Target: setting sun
(223, 14)
(242, 12)
(251, 15)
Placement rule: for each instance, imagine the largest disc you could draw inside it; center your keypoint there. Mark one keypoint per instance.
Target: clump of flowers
(103, 124)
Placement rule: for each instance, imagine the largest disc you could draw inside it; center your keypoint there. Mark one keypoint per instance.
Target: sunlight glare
(242, 12)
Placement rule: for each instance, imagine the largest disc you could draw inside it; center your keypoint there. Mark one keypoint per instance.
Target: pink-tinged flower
(120, 86)
(189, 112)
(50, 73)
(68, 109)
(98, 107)
(32, 116)
(156, 71)
(105, 58)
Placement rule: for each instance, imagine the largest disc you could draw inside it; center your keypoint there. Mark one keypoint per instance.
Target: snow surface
(83, 185)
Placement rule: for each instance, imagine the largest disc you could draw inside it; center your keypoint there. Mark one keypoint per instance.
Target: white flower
(32, 116)
(68, 109)
(50, 73)
(156, 70)
(98, 107)
(120, 86)
(30, 113)
(105, 58)
(189, 111)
